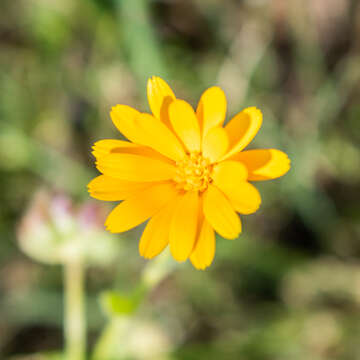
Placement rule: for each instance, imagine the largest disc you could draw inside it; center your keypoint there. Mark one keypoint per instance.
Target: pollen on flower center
(193, 172)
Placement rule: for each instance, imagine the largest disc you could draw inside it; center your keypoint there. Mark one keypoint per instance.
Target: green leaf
(114, 303)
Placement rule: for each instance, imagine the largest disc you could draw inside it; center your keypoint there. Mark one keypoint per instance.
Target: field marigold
(184, 171)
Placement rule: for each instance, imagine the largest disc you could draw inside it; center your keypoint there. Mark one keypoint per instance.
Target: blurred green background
(289, 287)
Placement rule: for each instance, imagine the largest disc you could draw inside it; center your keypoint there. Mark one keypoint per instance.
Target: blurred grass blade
(140, 39)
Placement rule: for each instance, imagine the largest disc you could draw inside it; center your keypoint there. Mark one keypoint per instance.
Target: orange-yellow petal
(185, 124)
(244, 197)
(110, 146)
(211, 109)
(141, 206)
(230, 177)
(159, 95)
(242, 128)
(156, 234)
(229, 171)
(123, 117)
(215, 144)
(183, 226)
(220, 214)
(110, 189)
(106, 146)
(159, 137)
(135, 168)
(264, 164)
(204, 251)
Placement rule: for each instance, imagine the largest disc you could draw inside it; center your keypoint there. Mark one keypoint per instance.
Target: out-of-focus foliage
(288, 288)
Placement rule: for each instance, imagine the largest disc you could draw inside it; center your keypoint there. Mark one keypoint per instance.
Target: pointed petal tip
(154, 78)
(232, 237)
(200, 266)
(177, 258)
(203, 268)
(158, 93)
(287, 159)
(109, 228)
(145, 255)
(197, 267)
(253, 109)
(116, 107)
(264, 164)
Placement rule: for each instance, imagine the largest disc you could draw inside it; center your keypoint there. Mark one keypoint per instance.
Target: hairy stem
(75, 328)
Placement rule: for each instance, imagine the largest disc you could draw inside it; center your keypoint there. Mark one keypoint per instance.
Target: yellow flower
(184, 171)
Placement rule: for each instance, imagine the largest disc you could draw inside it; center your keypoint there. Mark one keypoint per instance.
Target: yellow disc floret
(193, 172)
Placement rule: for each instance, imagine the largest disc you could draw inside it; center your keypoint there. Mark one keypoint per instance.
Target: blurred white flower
(54, 231)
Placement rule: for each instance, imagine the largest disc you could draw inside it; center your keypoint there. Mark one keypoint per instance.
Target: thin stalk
(75, 327)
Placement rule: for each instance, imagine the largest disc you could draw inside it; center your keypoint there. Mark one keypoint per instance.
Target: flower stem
(75, 328)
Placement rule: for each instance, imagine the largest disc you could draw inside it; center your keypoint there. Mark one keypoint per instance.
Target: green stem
(111, 343)
(74, 331)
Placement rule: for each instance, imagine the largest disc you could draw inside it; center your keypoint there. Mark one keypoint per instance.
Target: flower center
(193, 172)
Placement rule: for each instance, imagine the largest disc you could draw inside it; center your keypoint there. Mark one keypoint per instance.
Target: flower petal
(110, 189)
(220, 214)
(185, 124)
(106, 146)
(140, 207)
(135, 168)
(230, 177)
(242, 128)
(204, 251)
(211, 109)
(244, 197)
(229, 172)
(156, 234)
(123, 117)
(159, 95)
(109, 146)
(159, 137)
(215, 144)
(183, 226)
(264, 164)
